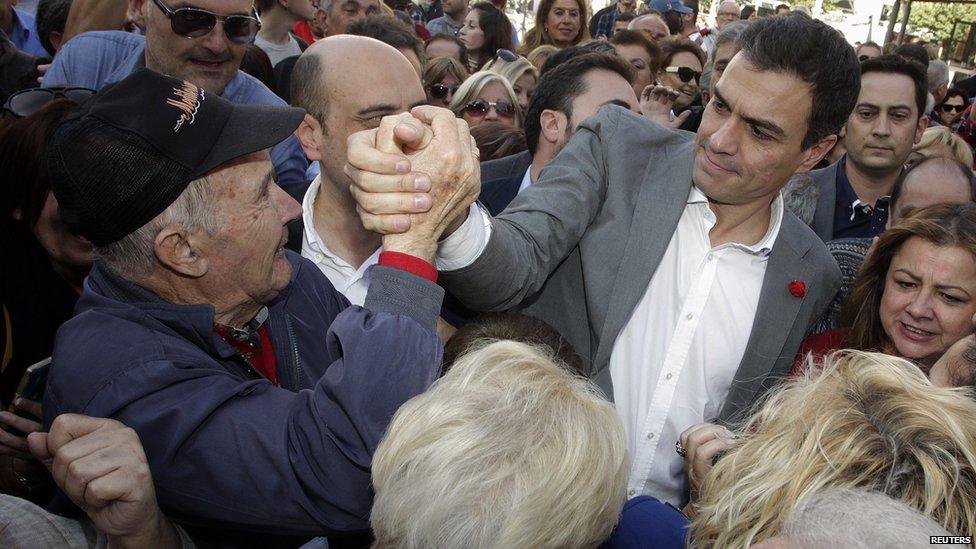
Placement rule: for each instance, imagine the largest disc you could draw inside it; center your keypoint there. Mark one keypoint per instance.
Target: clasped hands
(414, 177)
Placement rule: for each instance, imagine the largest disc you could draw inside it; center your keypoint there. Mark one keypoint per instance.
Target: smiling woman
(558, 23)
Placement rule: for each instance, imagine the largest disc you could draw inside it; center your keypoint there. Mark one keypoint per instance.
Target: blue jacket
(227, 448)
(646, 523)
(96, 59)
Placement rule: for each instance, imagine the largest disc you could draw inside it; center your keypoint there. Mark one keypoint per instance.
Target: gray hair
(937, 74)
(508, 449)
(800, 196)
(134, 256)
(730, 34)
(857, 519)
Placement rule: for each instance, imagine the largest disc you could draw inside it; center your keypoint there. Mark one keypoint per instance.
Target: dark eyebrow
(374, 110)
(767, 125)
(939, 286)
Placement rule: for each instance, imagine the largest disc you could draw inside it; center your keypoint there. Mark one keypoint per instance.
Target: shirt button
(650, 436)
(710, 257)
(667, 376)
(632, 493)
(690, 316)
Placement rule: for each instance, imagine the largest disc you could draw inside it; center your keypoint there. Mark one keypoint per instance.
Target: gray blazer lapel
(823, 218)
(663, 194)
(774, 321)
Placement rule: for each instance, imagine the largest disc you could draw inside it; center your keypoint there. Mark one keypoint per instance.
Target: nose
(216, 41)
(492, 114)
(920, 306)
(725, 140)
(882, 127)
(288, 208)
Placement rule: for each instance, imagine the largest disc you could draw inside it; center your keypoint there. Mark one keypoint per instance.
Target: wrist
(424, 248)
(158, 533)
(455, 223)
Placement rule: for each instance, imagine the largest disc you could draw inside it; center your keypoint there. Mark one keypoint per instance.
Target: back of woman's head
(941, 141)
(865, 420)
(438, 68)
(24, 182)
(508, 449)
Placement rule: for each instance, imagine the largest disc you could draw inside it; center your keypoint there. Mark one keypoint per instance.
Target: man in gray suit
(888, 119)
(665, 258)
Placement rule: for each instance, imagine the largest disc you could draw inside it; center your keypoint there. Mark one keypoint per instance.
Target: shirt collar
(314, 242)
(765, 244)
(526, 179)
(19, 27)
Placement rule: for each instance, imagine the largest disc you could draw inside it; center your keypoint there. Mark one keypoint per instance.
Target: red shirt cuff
(410, 263)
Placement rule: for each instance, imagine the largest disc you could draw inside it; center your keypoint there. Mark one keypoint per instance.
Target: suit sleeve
(543, 224)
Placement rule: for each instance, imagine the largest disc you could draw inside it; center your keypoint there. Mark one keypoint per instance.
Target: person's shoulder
(111, 40)
(805, 242)
(248, 90)
(614, 119)
(310, 290)
(825, 174)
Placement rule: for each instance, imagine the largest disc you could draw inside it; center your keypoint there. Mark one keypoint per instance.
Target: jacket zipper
(296, 364)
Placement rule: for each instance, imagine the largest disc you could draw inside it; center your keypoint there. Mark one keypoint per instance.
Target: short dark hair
(625, 16)
(307, 87)
(391, 31)
(781, 7)
(798, 45)
(52, 15)
(897, 64)
(634, 38)
(512, 327)
(957, 92)
(899, 185)
(456, 40)
(915, 52)
(747, 12)
(565, 54)
(257, 63)
(674, 45)
(559, 87)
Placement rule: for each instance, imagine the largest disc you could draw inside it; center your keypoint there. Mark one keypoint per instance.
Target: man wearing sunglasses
(888, 120)
(202, 41)
(937, 77)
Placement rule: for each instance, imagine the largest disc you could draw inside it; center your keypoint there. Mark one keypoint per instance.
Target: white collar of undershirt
(765, 244)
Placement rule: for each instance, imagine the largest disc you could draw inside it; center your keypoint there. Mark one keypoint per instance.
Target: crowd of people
(351, 273)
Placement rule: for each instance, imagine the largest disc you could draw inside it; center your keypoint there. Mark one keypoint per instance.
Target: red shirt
(261, 357)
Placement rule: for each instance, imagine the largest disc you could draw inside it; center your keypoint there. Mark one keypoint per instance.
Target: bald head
(934, 180)
(651, 25)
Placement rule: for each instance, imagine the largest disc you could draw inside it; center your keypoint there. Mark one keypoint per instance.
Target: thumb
(37, 443)
(680, 119)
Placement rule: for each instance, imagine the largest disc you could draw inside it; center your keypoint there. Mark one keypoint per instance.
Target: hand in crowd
(417, 171)
(41, 71)
(101, 466)
(656, 103)
(703, 444)
(10, 443)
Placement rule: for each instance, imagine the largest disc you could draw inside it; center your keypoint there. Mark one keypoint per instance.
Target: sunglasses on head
(505, 55)
(27, 102)
(685, 74)
(950, 108)
(481, 108)
(440, 91)
(196, 22)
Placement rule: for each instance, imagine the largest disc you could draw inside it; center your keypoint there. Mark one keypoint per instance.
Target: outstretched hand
(657, 102)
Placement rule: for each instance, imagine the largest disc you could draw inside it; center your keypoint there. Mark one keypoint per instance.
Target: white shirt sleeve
(466, 244)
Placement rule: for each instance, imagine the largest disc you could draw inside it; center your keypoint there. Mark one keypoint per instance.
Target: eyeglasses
(481, 107)
(440, 91)
(27, 102)
(195, 22)
(950, 108)
(863, 58)
(505, 55)
(685, 74)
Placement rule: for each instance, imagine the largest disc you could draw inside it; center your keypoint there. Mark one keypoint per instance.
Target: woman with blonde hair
(559, 23)
(867, 421)
(540, 55)
(519, 72)
(487, 96)
(442, 77)
(940, 141)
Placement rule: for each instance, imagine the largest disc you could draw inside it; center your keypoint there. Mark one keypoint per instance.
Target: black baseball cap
(129, 152)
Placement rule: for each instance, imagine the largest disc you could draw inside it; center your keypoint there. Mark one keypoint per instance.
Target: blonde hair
(539, 55)
(940, 141)
(471, 87)
(867, 421)
(511, 70)
(439, 67)
(508, 449)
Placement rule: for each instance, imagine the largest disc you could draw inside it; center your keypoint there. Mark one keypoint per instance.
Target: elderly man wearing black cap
(259, 394)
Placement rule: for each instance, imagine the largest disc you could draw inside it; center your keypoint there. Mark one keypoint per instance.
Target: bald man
(346, 83)
(652, 26)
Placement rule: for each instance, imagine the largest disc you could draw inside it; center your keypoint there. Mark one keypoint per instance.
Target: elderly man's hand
(656, 103)
(100, 464)
(418, 172)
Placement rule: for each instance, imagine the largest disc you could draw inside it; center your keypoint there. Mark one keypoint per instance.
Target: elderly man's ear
(180, 252)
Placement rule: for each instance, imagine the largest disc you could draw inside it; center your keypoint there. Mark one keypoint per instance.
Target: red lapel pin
(798, 288)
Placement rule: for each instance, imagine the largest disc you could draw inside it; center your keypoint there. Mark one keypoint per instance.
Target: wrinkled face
(885, 123)
(564, 22)
(471, 34)
(442, 47)
(524, 87)
(957, 367)
(934, 182)
(343, 13)
(246, 254)
(751, 136)
(688, 90)
(449, 86)
(653, 28)
(64, 248)
(492, 92)
(640, 61)
(951, 109)
(929, 299)
(209, 61)
(728, 12)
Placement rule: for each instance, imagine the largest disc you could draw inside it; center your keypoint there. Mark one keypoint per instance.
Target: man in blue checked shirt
(605, 27)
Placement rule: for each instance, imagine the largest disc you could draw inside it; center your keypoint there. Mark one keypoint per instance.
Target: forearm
(158, 533)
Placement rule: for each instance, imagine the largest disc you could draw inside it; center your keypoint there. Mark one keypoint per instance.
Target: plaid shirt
(605, 26)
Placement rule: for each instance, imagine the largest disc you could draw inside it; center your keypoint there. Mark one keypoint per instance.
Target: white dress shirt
(526, 180)
(674, 360)
(350, 281)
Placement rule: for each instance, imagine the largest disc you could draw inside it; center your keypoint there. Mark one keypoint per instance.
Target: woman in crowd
(559, 23)
(540, 55)
(442, 78)
(519, 72)
(941, 141)
(642, 54)
(951, 108)
(497, 140)
(866, 421)
(915, 295)
(681, 66)
(486, 96)
(486, 30)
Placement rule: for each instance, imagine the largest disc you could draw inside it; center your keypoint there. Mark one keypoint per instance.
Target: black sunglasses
(863, 58)
(481, 108)
(505, 55)
(440, 91)
(685, 74)
(950, 108)
(196, 22)
(27, 102)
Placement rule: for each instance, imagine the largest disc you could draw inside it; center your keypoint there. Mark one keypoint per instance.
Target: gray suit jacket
(503, 168)
(578, 249)
(823, 217)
